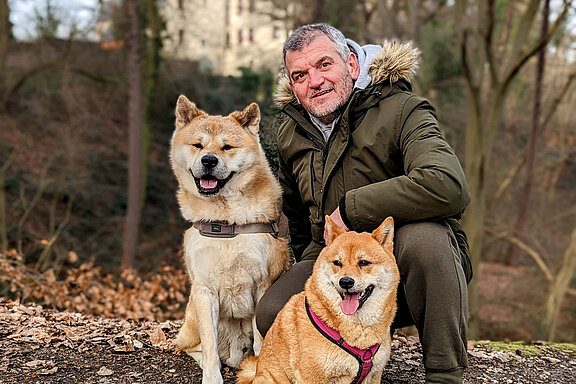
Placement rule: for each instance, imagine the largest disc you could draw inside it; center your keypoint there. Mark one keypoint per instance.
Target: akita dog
(232, 251)
(338, 329)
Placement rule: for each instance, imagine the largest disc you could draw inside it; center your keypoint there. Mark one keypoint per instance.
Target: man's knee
(428, 246)
(266, 312)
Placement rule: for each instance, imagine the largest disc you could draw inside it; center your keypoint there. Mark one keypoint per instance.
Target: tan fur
(228, 275)
(294, 351)
(396, 61)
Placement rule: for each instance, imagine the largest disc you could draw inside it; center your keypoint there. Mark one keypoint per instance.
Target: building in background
(104, 28)
(224, 35)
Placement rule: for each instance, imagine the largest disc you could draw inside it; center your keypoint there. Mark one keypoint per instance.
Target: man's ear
(353, 66)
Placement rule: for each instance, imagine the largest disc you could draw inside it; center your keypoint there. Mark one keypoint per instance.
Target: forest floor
(45, 346)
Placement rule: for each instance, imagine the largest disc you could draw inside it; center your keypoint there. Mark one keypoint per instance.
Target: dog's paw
(191, 349)
(196, 355)
(187, 338)
(208, 378)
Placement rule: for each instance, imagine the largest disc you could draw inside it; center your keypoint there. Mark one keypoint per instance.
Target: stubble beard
(327, 113)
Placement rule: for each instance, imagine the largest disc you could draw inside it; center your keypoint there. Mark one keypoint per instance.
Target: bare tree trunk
(4, 39)
(3, 231)
(317, 14)
(514, 251)
(3, 234)
(558, 290)
(152, 59)
(134, 195)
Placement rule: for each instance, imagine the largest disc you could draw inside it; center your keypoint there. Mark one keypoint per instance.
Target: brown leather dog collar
(225, 230)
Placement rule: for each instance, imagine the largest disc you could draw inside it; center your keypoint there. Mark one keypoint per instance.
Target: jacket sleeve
(296, 212)
(433, 185)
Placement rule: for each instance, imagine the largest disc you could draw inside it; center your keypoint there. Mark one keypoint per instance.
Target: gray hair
(306, 34)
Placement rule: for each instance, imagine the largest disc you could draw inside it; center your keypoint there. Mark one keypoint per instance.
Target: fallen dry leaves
(96, 328)
(37, 328)
(30, 337)
(87, 289)
(33, 324)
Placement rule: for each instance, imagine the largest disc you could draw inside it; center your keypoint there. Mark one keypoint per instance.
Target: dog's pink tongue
(208, 183)
(350, 303)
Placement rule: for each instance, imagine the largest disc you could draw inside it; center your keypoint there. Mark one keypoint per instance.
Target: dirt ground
(42, 346)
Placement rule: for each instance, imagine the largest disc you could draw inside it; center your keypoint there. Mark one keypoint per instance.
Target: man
(359, 146)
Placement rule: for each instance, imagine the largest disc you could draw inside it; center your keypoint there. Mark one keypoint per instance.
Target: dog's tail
(247, 372)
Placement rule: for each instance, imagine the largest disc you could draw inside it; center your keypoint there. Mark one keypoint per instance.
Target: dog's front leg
(188, 338)
(207, 311)
(258, 339)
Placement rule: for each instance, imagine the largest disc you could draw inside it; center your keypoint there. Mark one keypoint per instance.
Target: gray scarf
(365, 55)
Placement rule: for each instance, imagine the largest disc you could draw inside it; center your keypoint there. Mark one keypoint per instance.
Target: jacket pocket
(306, 179)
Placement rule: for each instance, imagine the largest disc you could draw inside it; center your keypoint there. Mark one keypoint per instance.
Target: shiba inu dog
(232, 251)
(338, 329)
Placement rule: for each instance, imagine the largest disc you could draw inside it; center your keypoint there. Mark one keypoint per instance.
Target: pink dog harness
(364, 356)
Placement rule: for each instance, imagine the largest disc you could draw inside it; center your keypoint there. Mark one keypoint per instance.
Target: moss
(516, 348)
(564, 347)
(525, 348)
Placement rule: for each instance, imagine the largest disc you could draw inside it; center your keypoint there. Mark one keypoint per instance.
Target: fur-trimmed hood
(392, 62)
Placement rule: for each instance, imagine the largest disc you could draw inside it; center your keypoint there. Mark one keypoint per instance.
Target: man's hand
(337, 219)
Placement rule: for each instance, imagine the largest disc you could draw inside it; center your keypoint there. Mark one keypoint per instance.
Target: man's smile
(321, 93)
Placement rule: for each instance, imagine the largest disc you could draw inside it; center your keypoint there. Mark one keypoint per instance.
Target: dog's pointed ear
(186, 111)
(333, 230)
(249, 118)
(384, 234)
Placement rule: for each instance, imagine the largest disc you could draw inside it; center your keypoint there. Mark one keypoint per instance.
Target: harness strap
(218, 229)
(363, 356)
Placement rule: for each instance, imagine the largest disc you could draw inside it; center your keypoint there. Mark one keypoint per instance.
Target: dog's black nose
(346, 282)
(209, 161)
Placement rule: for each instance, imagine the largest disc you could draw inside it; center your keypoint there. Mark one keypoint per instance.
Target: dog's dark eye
(364, 263)
(227, 147)
(198, 145)
(337, 263)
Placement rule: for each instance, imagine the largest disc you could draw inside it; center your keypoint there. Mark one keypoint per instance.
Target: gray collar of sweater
(365, 55)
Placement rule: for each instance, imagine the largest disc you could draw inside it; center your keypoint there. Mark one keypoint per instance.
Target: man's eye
(298, 78)
(325, 65)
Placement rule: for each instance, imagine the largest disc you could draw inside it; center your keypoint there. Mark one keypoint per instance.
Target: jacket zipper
(312, 180)
(324, 160)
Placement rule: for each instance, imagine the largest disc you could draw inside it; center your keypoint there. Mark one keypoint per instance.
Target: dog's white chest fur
(232, 267)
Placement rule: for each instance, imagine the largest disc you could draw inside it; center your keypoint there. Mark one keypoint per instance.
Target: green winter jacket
(385, 157)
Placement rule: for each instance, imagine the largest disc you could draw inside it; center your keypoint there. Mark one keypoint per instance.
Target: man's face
(321, 81)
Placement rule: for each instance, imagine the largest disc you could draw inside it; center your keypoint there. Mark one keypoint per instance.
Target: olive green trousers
(432, 295)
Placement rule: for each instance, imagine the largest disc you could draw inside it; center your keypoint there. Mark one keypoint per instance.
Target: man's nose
(316, 78)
